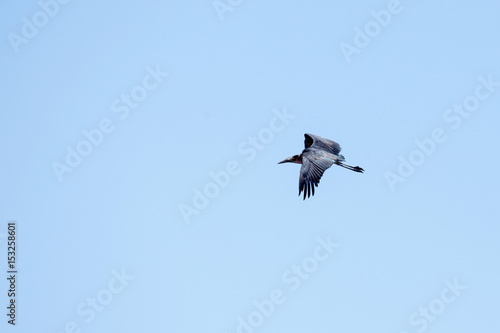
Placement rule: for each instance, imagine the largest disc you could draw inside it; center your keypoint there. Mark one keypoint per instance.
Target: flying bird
(319, 154)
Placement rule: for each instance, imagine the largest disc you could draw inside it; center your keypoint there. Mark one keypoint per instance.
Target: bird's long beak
(290, 159)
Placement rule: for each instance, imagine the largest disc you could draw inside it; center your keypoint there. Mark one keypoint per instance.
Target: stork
(319, 154)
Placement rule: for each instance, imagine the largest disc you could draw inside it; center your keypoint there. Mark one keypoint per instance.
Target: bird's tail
(356, 168)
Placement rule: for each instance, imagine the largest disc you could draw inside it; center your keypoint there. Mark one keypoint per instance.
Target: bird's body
(319, 154)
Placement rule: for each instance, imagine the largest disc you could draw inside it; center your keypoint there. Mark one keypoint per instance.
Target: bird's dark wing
(314, 141)
(314, 164)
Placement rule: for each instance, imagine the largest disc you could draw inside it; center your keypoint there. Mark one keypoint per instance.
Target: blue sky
(139, 160)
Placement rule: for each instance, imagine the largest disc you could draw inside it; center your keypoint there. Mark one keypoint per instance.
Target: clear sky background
(115, 243)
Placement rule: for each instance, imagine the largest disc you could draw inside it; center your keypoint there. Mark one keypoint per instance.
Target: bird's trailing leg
(356, 168)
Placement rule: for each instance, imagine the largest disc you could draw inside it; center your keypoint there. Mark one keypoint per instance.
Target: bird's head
(293, 159)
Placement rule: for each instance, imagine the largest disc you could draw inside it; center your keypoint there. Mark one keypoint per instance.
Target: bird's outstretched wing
(314, 164)
(317, 142)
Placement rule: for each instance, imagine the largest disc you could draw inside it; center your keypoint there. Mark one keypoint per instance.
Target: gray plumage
(319, 154)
